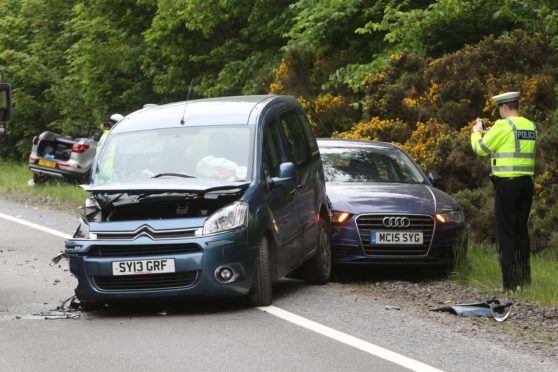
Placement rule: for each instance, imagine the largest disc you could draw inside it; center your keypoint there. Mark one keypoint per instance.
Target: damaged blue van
(214, 197)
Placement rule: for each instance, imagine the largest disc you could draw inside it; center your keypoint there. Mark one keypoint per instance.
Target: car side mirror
(435, 180)
(5, 102)
(287, 176)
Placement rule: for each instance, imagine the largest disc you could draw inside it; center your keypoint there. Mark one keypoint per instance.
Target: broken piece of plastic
(57, 258)
(494, 308)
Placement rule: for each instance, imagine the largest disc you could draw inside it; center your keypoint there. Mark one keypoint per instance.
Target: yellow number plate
(46, 163)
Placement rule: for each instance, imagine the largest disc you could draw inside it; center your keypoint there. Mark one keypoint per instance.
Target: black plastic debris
(68, 309)
(499, 309)
(58, 258)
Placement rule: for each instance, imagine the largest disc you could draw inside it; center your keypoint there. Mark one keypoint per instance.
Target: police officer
(510, 142)
(107, 125)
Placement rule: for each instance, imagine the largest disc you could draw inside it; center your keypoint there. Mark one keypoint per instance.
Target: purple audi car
(386, 211)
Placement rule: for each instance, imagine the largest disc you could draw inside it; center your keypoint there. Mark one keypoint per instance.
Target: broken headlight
(91, 211)
(231, 217)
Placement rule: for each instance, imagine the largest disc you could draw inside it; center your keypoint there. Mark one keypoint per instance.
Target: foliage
(376, 129)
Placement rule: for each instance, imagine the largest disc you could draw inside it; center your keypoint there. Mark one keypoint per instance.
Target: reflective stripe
(514, 128)
(483, 147)
(515, 155)
(517, 168)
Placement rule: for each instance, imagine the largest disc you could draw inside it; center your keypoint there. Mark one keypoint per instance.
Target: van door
(300, 153)
(281, 201)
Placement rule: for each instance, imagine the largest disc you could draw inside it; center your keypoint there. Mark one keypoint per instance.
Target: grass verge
(482, 270)
(14, 178)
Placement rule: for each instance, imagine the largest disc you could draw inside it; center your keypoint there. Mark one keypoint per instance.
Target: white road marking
(344, 338)
(35, 226)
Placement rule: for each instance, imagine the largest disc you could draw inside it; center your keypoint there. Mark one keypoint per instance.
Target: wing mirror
(287, 176)
(435, 180)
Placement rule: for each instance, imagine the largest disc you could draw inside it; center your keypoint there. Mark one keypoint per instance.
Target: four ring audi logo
(396, 222)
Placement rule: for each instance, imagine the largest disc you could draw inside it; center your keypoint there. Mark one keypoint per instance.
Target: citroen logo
(396, 222)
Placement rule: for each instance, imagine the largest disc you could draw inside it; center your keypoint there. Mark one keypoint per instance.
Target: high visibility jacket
(102, 139)
(511, 144)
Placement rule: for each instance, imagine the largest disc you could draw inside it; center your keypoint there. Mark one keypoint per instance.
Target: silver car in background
(54, 155)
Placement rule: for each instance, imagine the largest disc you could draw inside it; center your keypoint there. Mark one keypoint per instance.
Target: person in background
(107, 125)
(511, 144)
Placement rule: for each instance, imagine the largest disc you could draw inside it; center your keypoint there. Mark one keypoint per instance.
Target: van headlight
(450, 216)
(231, 217)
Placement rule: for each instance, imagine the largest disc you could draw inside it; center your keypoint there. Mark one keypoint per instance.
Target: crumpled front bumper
(196, 260)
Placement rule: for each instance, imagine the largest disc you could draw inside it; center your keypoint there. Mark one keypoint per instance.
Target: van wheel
(261, 290)
(318, 269)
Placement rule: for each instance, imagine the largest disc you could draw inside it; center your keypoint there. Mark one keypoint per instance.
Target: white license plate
(396, 237)
(140, 267)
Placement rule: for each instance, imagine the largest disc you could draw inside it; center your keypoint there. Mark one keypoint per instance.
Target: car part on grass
(499, 309)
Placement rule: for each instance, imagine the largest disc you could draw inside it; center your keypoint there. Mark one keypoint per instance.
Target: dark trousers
(513, 200)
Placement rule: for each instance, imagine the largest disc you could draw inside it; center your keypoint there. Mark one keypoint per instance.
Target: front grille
(368, 223)
(340, 250)
(144, 282)
(141, 250)
(146, 231)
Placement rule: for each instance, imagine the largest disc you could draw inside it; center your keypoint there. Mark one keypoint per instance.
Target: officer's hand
(478, 126)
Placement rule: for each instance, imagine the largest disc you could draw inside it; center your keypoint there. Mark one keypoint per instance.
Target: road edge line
(349, 340)
(35, 226)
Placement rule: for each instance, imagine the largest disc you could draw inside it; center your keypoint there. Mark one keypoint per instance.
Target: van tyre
(261, 294)
(318, 269)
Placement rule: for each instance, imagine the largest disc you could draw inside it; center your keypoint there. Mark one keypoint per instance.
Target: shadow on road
(283, 288)
(348, 275)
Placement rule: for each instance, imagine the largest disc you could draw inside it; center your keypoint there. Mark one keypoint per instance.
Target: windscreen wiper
(183, 175)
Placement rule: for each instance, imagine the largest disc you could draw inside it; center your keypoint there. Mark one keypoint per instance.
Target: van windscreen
(215, 153)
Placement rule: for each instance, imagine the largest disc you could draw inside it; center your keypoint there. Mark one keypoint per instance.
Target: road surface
(308, 328)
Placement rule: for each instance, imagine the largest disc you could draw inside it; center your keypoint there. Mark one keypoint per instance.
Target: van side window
(271, 151)
(295, 136)
(309, 133)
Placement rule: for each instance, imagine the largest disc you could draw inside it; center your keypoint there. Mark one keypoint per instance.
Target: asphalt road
(309, 328)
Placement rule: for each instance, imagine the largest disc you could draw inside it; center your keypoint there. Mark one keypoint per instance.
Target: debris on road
(57, 258)
(68, 309)
(391, 307)
(495, 308)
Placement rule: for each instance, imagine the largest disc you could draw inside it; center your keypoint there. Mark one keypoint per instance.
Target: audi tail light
(79, 148)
